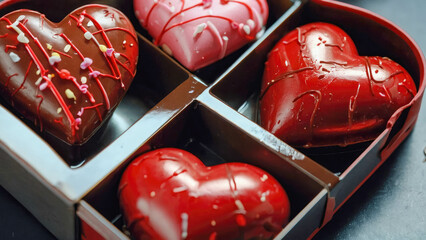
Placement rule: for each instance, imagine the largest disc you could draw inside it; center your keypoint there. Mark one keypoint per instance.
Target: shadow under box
(239, 87)
(214, 140)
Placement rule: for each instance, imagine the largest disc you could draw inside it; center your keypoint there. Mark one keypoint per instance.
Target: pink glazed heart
(200, 32)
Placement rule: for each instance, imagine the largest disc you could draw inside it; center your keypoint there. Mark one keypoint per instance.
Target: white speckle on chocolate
(15, 58)
(70, 94)
(83, 79)
(89, 24)
(59, 110)
(116, 55)
(88, 35)
(67, 48)
(38, 72)
(49, 46)
(38, 81)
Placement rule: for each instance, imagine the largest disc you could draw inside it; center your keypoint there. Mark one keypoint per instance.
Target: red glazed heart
(317, 90)
(170, 194)
(200, 32)
(67, 77)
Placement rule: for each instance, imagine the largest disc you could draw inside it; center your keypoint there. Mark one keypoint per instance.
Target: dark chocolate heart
(67, 77)
(170, 194)
(317, 90)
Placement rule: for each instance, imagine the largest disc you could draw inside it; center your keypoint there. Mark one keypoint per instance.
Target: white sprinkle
(90, 23)
(199, 29)
(251, 23)
(240, 205)
(124, 42)
(88, 35)
(264, 177)
(38, 81)
(184, 217)
(167, 49)
(116, 55)
(38, 72)
(59, 110)
(215, 206)
(67, 48)
(70, 94)
(213, 223)
(22, 38)
(152, 194)
(49, 46)
(131, 44)
(263, 197)
(246, 29)
(83, 79)
(180, 189)
(286, 63)
(172, 9)
(15, 58)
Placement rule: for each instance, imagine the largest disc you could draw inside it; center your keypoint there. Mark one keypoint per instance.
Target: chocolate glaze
(317, 90)
(67, 77)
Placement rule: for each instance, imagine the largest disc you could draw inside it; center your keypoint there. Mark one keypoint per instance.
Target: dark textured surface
(390, 205)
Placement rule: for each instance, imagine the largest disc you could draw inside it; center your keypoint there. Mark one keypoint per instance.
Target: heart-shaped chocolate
(170, 194)
(67, 77)
(317, 90)
(200, 32)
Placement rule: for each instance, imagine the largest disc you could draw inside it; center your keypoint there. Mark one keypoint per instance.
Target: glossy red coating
(67, 77)
(317, 90)
(170, 194)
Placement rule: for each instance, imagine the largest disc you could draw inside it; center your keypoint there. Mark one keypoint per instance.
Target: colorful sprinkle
(38, 72)
(22, 38)
(38, 81)
(88, 35)
(43, 86)
(79, 113)
(94, 74)
(116, 55)
(70, 94)
(86, 63)
(59, 110)
(109, 52)
(15, 58)
(67, 48)
(49, 46)
(103, 48)
(83, 79)
(54, 59)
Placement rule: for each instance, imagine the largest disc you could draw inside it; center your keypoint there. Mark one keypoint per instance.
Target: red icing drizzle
(23, 82)
(38, 111)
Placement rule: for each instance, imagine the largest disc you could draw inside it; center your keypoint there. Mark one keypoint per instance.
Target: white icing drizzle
(199, 29)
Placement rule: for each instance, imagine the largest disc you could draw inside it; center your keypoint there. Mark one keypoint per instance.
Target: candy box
(211, 113)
